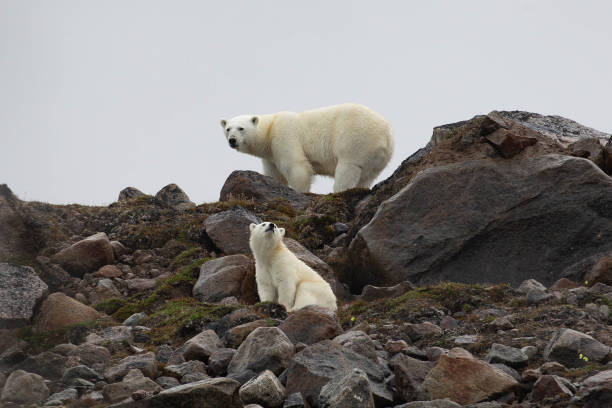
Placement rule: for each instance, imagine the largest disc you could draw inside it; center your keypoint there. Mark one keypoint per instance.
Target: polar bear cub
(281, 277)
(349, 142)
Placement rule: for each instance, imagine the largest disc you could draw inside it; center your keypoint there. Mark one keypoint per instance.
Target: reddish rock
(236, 335)
(396, 346)
(310, 325)
(409, 374)
(549, 386)
(601, 272)
(245, 184)
(509, 144)
(86, 256)
(59, 310)
(466, 380)
(109, 271)
(563, 283)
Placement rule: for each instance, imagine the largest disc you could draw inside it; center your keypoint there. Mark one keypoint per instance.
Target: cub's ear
(252, 227)
(223, 123)
(255, 120)
(281, 231)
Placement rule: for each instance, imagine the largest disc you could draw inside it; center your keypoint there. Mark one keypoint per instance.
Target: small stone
(202, 346)
(135, 319)
(109, 271)
(264, 389)
(348, 390)
(311, 324)
(265, 348)
(509, 356)
(549, 386)
(447, 323)
(420, 330)
(535, 296)
(465, 339)
(167, 382)
(530, 284)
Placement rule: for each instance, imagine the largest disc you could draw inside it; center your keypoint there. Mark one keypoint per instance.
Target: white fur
(281, 277)
(349, 142)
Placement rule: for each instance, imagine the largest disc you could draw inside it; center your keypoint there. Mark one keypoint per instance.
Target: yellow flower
(586, 358)
(353, 319)
(580, 355)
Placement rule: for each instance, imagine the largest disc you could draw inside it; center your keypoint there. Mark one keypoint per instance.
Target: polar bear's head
(265, 236)
(240, 131)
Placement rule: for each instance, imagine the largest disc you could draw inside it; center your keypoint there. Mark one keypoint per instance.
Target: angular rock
(417, 331)
(64, 396)
(219, 360)
(509, 356)
(119, 249)
(236, 335)
(113, 337)
(567, 345)
(266, 348)
(24, 388)
(465, 380)
(59, 310)
(20, 292)
(295, 400)
(348, 390)
(86, 256)
(371, 293)
(265, 389)
(141, 284)
(180, 370)
(310, 325)
(316, 365)
(194, 377)
(601, 272)
(129, 193)
(509, 144)
(90, 354)
(174, 197)
(359, 342)
(83, 372)
(530, 284)
(440, 403)
(143, 362)
(167, 382)
(246, 184)
(536, 296)
(481, 203)
(211, 393)
(135, 319)
(133, 381)
(55, 277)
(224, 277)
(104, 290)
(549, 386)
(47, 364)
(229, 230)
(200, 347)
(409, 375)
(596, 391)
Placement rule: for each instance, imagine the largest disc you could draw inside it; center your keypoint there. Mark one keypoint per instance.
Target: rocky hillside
(479, 274)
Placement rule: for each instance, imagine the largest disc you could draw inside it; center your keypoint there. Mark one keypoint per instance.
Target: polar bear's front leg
(269, 169)
(286, 293)
(265, 288)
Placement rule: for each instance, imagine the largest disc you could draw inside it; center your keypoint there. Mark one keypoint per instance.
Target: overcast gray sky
(96, 96)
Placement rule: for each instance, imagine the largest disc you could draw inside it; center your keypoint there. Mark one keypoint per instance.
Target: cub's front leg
(265, 288)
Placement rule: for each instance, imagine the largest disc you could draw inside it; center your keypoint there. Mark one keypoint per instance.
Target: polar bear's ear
(223, 123)
(281, 231)
(255, 120)
(252, 227)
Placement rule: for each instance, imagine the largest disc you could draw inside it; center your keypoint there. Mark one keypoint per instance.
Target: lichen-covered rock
(129, 193)
(265, 389)
(20, 292)
(59, 310)
(174, 197)
(569, 346)
(266, 348)
(86, 256)
(348, 390)
(359, 342)
(24, 388)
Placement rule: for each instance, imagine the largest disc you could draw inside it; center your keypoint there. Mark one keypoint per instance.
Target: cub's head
(265, 236)
(240, 131)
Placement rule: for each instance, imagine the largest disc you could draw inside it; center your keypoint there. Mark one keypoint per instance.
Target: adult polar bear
(349, 142)
(281, 277)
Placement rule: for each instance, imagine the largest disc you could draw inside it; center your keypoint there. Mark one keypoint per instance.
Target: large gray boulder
(86, 256)
(229, 230)
(265, 389)
(20, 292)
(173, 196)
(133, 381)
(224, 277)
(456, 222)
(347, 390)
(567, 346)
(24, 388)
(246, 184)
(266, 348)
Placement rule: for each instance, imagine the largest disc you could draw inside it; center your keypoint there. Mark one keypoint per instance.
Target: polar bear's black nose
(233, 142)
(271, 227)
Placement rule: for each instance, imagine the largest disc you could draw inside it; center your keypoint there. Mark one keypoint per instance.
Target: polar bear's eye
(240, 129)
(227, 130)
